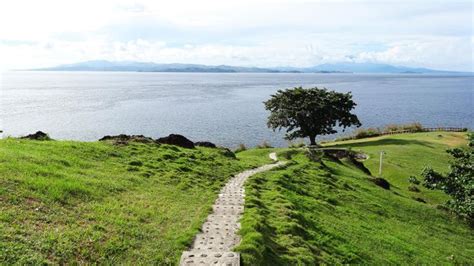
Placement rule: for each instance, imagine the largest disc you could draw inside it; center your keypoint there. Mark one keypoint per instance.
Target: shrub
(264, 145)
(367, 133)
(413, 127)
(240, 148)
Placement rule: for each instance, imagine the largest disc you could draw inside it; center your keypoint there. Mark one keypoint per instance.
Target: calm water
(224, 108)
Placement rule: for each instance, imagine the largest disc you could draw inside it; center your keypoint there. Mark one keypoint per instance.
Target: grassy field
(309, 213)
(67, 202)
(73, 202)
(406, 155)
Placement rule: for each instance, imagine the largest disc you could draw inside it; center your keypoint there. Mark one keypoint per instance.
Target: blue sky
(422, 33)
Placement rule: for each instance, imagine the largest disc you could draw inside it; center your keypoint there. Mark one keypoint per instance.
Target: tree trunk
(312, 140)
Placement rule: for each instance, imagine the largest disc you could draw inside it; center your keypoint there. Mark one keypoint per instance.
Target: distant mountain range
(102, 65)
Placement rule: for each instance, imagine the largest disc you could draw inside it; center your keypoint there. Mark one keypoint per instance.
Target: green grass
(310, 213)
(65, 202)
(74, 202)
(406, 155)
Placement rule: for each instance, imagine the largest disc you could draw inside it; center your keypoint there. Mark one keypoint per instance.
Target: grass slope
(72, 202)
(310, 213)
(406, 155)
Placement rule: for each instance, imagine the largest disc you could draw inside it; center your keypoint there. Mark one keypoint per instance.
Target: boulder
(206, 144)
(125, 139)
(177, 140)
(381, 182)
(39, 135)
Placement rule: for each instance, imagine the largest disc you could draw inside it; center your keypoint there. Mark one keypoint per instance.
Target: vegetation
(330, 212)
(310, 112)
(65, 202)
(240, 148)
(264, 145)
(458, 183)
(375, 132)
(429, 149)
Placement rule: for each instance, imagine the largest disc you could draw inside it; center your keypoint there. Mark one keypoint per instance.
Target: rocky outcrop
(206, 144)
(178, 140)
(39, 135)
(125, 139)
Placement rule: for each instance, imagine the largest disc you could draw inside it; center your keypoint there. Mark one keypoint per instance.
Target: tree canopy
(310, 112)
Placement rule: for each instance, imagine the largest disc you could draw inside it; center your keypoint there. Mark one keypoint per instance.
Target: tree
(458, 183)
(310, 112)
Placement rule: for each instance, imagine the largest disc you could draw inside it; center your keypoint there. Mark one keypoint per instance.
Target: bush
(240, 148)
(413, 127)
(264, 145)
(367, 133)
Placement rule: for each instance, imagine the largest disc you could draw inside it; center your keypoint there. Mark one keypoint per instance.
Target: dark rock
(39, 135)
(125, 139)
(206, 144)
(381, 182)
(178, 140)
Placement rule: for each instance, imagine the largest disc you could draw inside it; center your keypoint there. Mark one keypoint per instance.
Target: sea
(224, 108)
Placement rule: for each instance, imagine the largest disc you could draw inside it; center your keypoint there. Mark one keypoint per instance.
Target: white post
(380, 164)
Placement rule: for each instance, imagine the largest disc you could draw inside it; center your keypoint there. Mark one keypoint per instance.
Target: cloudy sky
(425, 33)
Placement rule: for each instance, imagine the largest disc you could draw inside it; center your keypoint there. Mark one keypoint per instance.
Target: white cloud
(261, 33)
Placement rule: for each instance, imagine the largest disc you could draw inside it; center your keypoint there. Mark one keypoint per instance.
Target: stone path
(213, 245)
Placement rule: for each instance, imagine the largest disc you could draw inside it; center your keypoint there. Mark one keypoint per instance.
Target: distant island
(132, 66)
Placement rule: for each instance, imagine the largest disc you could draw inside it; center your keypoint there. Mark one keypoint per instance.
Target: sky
(262, 33)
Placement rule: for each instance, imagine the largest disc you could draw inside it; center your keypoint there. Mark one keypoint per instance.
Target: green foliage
(412, 127)
(367, 133)
(374, 132)
(458, 183)
(310, 112)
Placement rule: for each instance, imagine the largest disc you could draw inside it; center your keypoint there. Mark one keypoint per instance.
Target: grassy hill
(330, 212)
(64, 202)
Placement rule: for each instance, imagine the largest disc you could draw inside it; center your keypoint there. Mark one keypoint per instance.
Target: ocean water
(225, 108)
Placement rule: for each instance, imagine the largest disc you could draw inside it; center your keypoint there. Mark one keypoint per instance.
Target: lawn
(65, 202)
(311, 212)
(406, 155)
